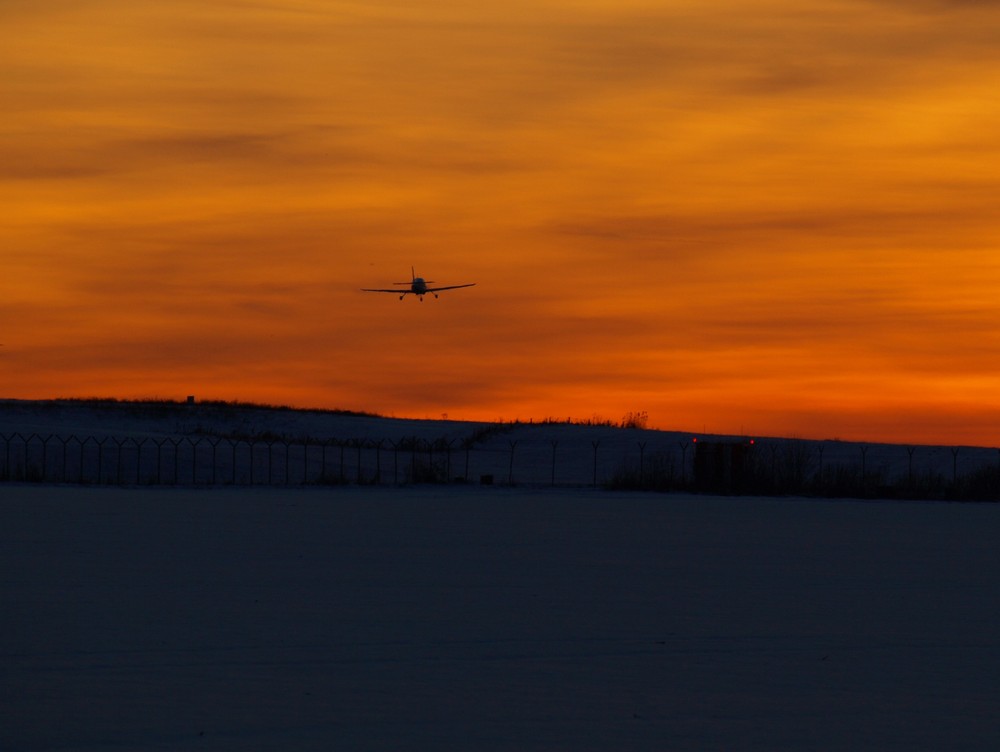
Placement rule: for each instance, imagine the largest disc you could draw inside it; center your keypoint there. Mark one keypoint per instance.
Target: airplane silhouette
(418, 287)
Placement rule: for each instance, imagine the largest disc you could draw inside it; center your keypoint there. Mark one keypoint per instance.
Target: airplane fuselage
(418, 286)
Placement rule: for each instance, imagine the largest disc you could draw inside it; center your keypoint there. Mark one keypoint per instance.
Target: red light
(695, 439)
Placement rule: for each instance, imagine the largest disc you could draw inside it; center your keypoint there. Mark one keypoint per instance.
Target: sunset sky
(763, 217)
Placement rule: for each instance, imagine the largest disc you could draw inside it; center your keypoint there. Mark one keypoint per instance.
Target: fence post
(359, 445)
(595, 444)
(24, 451)
(232, 445)
(6, 466)
(27, 453)
(176, 443)
(100, 459)
(138, 459)
(118, 460)
(194, 460)
(25, 441)
(642, 462)
(45, 457)
(83, 446)
(159, 460)
(447, 449)
(214, 444)
(684, 465)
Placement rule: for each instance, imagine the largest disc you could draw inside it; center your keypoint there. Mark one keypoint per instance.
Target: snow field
(444, 618)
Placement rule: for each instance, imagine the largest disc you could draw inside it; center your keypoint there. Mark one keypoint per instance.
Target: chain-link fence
(115, 460)
(769, 467)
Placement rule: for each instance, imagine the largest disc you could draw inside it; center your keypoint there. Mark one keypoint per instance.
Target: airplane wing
(449, 287)
(397, 290)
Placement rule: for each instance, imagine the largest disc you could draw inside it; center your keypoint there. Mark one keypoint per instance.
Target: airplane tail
(413, 278)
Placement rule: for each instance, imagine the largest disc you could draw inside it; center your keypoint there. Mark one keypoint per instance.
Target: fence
(112, 460)
(774, 467)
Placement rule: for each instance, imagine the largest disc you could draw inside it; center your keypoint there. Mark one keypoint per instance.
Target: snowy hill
(209, 443)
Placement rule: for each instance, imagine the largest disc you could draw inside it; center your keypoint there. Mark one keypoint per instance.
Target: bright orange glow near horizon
(767, 218)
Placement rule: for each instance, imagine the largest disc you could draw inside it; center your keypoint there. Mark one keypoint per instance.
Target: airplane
(418, 287)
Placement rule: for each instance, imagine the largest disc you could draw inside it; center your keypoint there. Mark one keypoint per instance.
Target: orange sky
(764, 217)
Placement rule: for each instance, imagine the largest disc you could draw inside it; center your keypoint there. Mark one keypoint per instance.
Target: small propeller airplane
(418, 287)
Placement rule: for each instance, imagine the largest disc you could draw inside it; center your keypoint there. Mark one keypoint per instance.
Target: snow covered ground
(484, 618)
